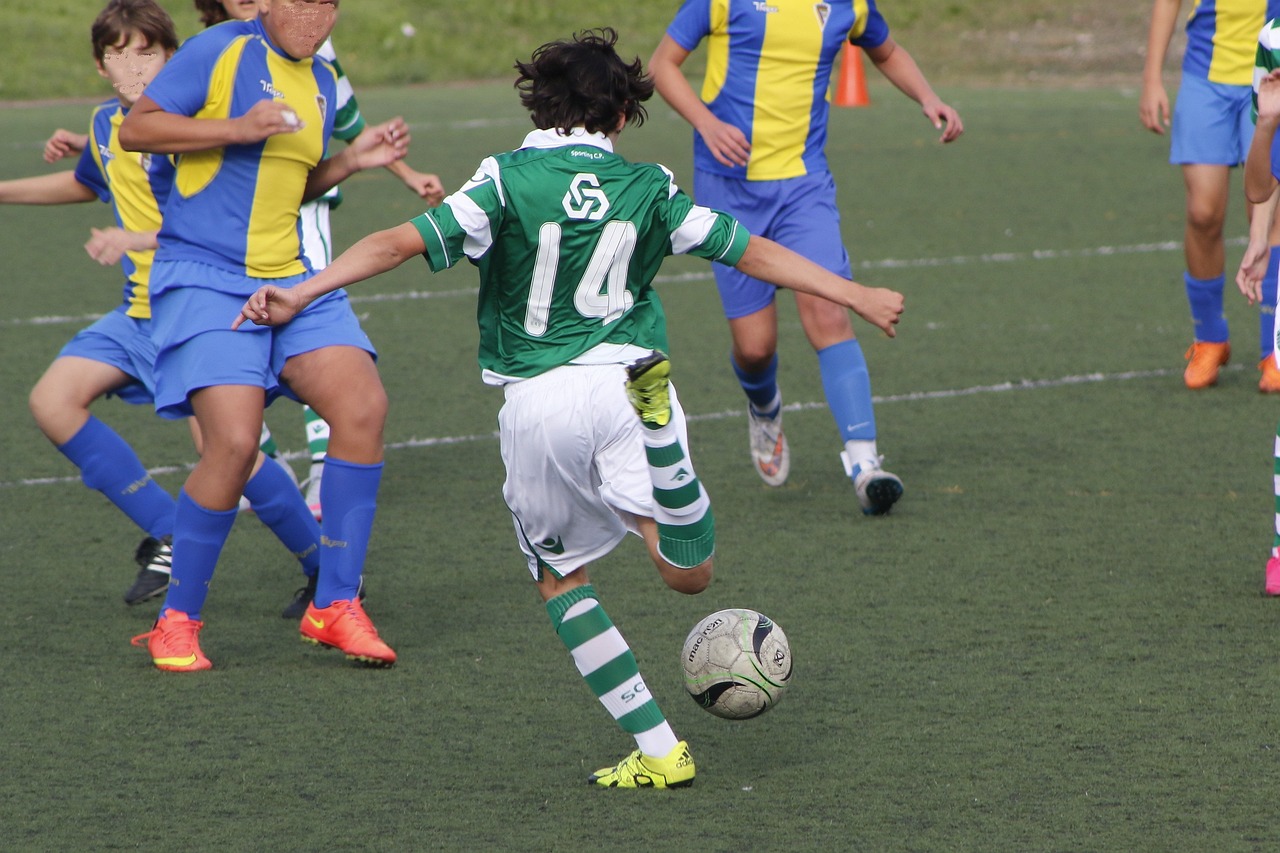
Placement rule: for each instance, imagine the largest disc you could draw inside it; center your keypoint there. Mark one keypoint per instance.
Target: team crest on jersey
(322, 104)
(144, 160)
(585, 199)
(823, 11)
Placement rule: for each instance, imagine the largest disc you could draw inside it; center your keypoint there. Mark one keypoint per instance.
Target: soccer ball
(737, 663)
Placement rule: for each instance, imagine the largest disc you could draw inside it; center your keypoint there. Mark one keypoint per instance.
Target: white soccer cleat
(769, 450)
(877, 489)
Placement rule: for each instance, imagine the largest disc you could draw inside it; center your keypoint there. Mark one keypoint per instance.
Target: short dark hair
(211, 12)
(121, 18)
(583, 83)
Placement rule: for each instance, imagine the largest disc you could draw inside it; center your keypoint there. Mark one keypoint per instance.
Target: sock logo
(681, 474)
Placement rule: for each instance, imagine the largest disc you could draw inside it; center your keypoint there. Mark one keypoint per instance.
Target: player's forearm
(56, 188)
(373, 255)
(328, 173)
(899, 68)
(772, 262)
(1259, 182)
(159, 132)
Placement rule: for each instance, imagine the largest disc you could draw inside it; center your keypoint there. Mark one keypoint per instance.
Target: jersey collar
(553, 138)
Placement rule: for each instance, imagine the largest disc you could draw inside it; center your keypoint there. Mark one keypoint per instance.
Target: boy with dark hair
(132, 40)
(568, 237)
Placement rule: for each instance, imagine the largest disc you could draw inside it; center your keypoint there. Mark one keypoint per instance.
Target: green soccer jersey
(568, 237)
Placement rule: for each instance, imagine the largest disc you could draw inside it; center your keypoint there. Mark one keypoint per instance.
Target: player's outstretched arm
(377, 146)
(148, 127)
(425, 185)
(778, 265)
(371, 256)
(901, 70)
(57, 188)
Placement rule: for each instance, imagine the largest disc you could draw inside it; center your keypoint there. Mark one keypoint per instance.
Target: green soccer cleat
(637, 770)
(648, 381)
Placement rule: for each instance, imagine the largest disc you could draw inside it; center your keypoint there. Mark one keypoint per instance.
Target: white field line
(882, 264)
(999, 388)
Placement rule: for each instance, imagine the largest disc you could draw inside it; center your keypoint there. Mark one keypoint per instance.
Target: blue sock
(278, 503)
(1205, 297)
(108, 464)
(1267, 309)
(848, 388)
(761, 388)
(197, 542)
(349, 495)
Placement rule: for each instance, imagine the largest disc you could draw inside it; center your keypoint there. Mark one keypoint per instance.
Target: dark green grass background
(1055, 642)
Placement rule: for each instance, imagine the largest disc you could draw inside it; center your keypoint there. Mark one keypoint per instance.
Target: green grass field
(1055, 642)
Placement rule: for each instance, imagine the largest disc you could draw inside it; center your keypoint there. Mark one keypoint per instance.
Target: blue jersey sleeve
(870, 30)
(691, 24)
(91, 170)
(182, 86)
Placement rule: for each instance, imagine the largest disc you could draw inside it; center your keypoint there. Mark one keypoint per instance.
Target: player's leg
(114, 355)
(1206, 144)
(682, 535)
(1269, 383)
(60, 404)
(342, 384)
(561, 434)
(749, 306)
(812, 229)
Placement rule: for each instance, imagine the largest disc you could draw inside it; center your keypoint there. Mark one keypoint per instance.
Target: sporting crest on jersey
(322, 104)
(823, 11)
(585, 199)
(144, 160)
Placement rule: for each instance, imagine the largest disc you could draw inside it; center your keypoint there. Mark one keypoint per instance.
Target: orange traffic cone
(851, 88)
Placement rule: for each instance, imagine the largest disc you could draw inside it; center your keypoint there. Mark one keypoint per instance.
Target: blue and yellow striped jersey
(237, 207)
(1222, 37)
(769, 71)
(136, 185)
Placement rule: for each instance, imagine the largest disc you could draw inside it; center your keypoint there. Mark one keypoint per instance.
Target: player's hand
(265, 119)
(726, 143)
(1153, 108)
(379, 145)
(1269, 96)
(108, 245)
(944, 118)
(1253, 267)
(64, 143)
(270, 306)
(428, 187)
(880, 307)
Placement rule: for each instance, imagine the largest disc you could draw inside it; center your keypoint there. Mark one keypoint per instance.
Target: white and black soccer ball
(737, 663)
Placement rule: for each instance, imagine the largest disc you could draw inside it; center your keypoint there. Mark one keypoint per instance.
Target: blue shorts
(125, 343)
(1212, 123)
(197, 348)
(800, 213)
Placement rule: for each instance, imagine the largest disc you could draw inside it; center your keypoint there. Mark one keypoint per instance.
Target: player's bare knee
(688, 581)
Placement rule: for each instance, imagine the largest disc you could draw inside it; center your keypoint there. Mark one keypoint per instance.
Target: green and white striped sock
(267, 443)
(317, 429)
(686, 525)
(609, 667)
(1275, 539)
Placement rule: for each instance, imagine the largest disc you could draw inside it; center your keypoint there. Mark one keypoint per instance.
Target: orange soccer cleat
(1270, 381)
(1204, 358)
(174, 643)
(344, 625)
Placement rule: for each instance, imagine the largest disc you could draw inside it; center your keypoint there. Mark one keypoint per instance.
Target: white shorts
(577, 473)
